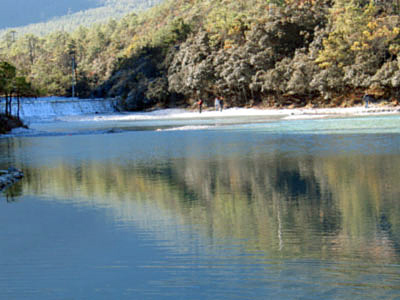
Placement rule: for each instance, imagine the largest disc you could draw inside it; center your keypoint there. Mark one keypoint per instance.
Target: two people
(218, 103)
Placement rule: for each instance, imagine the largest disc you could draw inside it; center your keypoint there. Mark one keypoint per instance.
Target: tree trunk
(9, 105)
(7, 112)
(245, 96)
(18, 107)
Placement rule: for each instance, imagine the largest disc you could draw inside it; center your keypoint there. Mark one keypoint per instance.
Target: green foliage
(256, 51)
(12, 85)
(7, 78)
(347, 21)
(175, 32)
(361, 42)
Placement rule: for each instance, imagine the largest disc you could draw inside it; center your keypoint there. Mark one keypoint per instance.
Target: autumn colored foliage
(254, 52)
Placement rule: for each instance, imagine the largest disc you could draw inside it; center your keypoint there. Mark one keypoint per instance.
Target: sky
(14, 13)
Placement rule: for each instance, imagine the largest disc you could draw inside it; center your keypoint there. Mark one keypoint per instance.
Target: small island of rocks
(9, 176)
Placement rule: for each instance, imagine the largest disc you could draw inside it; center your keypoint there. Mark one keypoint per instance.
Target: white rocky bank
(10, 176)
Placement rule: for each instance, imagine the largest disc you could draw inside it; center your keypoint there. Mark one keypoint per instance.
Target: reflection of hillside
(286, 206)
(367, 195)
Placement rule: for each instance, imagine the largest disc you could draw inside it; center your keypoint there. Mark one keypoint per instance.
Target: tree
(10, 38)
(7, 77)
(10, 85)
(31, 45)
(22, 89)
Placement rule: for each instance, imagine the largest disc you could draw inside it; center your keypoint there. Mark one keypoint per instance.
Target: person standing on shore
(217, 104)
(200, 104)
(367, 98)
(221, 103)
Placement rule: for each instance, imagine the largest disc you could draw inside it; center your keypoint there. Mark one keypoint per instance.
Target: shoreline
(168, 119)
(8, 123)
(374, 109)
(286, 113)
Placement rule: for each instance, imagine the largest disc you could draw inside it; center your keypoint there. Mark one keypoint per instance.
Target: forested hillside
(254, 52)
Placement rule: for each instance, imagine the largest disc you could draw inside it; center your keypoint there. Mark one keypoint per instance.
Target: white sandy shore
(295, 113)
(314, 112)
(53, 108)
(342, 111)
(185, 119)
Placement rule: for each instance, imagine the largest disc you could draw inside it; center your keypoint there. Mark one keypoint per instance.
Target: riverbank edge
(7, 123)
(343, 111)
(305, 112)
(9, 177)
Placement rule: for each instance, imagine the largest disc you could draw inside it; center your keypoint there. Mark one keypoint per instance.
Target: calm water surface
(273, 209)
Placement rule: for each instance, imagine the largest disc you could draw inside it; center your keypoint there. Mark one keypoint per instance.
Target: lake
(255, 207)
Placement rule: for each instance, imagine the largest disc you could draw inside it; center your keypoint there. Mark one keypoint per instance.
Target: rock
(8, 123)
(10, 176)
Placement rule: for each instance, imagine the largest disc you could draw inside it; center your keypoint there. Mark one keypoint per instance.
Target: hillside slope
(26, 16)
(255, 52)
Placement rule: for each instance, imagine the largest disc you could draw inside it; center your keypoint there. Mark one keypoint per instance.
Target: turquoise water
(228, 208)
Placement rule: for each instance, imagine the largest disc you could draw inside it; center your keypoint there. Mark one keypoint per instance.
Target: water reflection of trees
(314, 206)
(12, 193)
(7, 149)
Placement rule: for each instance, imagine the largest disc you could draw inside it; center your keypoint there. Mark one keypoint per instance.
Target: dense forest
(255, 52)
